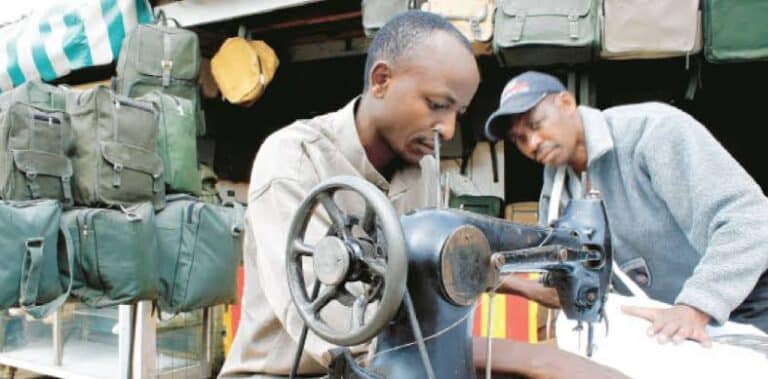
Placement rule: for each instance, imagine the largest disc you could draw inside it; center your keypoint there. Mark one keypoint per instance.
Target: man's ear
(380, 77)
(566, 101)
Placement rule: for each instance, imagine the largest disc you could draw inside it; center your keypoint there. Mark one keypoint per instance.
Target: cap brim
(495, 128)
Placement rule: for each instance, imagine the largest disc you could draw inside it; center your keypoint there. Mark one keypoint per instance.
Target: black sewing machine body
(426, 234)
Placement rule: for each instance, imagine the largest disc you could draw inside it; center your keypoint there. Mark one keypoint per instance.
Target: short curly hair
(403, 33)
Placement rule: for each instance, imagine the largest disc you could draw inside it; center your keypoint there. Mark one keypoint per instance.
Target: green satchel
(199, 247)
(115, 160)
(176, 142)
(29, 273)
(161, 56)
(35, 93)
(545, 32)
(115, 254)
(735, 30)
(34, 148)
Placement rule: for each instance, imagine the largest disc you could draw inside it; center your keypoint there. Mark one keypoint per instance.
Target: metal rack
(77, 354)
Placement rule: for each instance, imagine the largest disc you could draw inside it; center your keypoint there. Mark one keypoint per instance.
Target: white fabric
(630, 350)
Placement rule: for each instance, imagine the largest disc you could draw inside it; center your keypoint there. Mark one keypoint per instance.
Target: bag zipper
(132, 104)
(45, 118)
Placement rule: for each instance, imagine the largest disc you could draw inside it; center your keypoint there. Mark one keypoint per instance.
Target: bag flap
(650, 26)
(42, 163)
(175, 46)
(469, 10)
(132, 157)
(565, 8)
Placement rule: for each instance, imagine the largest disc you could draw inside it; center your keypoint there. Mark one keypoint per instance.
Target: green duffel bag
(545, 32)
(176, 142)
(116, 160)
(35, 145)
(735, 30)
(115, 254)
(37, 93)
(199, 245)
(29, 273)
(161, 56)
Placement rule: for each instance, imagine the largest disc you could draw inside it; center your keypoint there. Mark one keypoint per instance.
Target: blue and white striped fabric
(67, 35)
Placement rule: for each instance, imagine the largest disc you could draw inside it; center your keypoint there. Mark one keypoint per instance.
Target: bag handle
(30, 271)
(163, 20)
(32, 276)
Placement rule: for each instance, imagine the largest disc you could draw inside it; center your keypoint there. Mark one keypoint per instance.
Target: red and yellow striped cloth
(514, 317)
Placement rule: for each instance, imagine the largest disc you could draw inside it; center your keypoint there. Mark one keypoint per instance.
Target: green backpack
(199, 245)
(36, 93)
(176, 142)
(164, 57)
(735, 30)
(115, 160)
(34, 148)
(29, 273)
(115, 254)
(545, 32)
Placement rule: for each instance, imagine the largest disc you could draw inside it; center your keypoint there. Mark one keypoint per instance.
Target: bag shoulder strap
(31, 277)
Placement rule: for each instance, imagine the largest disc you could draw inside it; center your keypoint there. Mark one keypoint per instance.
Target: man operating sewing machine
(420, 74)
(689, 225)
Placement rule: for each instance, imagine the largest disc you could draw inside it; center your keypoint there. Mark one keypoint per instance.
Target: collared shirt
(688, 223)
(289, 164)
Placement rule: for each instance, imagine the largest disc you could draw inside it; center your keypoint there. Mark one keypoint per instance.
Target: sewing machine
(424, 272)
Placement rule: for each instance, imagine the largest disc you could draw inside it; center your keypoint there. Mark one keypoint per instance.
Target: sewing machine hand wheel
(378, 258)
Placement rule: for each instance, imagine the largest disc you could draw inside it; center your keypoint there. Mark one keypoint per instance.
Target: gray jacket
(686, 219)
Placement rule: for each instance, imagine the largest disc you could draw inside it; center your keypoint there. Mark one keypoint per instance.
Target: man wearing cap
(689, 226)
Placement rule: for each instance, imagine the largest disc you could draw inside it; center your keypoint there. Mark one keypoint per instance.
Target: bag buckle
(118, 168)
(573, 25)
(166, 65)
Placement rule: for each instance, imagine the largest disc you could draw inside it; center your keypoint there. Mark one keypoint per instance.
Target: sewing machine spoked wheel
(366, 250)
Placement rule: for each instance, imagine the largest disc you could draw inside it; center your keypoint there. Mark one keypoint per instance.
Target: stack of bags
(99, 188)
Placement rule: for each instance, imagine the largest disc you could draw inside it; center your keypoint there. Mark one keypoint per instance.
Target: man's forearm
(529, 289)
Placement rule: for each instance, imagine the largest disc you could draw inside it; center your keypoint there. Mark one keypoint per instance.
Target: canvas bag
(176, 141)
(641, 29)
(115, 160)
(161, 56)
(473, 18)
(376, 13)
(29, 275)
(242, 69)
(34, 148)
(115, 254)
(37, 93)
(735, 31)
(545, 32)
(199, 248)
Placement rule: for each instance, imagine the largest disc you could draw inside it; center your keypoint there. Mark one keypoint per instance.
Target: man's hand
(529, 289)
(677, 323)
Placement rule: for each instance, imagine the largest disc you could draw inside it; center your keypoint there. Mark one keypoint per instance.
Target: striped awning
(66, 35)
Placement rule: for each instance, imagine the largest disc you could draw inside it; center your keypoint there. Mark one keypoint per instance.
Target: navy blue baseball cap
(520, 94)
